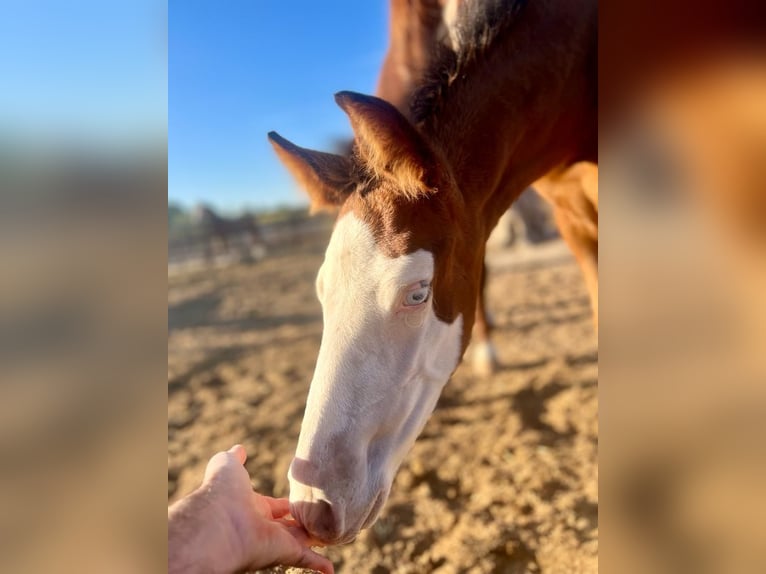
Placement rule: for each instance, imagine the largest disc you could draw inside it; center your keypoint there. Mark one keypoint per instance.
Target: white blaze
(381, 367)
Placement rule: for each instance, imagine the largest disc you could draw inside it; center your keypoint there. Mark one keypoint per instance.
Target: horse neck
(537, 107)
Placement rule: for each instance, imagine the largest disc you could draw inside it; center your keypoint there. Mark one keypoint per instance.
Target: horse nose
(309, 506)
(320, 520)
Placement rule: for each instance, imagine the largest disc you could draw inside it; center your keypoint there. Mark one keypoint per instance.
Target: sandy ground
(502, 480)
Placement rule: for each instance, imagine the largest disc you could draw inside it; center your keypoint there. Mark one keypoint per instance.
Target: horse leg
(585, 250)
(224, 239)
(484, 358)
(207, 250)
(573, 192)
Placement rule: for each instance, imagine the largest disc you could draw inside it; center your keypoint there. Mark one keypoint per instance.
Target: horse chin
(372, 516)
(342, 541)
(374, 513)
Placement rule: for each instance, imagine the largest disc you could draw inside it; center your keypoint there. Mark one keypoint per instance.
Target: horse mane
(478, 27)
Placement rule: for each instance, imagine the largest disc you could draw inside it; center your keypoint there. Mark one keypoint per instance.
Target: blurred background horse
(224, 233)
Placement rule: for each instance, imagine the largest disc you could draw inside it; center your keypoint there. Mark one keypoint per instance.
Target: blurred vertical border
(83, 199)
(682, 358)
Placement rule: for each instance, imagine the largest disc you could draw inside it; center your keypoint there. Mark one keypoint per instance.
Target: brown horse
(418, 198)
(216, 228)
(418, 29)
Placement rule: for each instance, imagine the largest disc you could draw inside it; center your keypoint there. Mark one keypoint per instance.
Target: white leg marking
(484, 358)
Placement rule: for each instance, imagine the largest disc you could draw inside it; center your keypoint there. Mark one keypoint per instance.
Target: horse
(417, 200)
(416, 31)
(215, 228)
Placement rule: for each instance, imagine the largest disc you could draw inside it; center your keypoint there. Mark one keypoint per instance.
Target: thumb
(234, 457)
(239, 452)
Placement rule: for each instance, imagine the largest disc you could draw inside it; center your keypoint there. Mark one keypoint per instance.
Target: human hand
(236, 528)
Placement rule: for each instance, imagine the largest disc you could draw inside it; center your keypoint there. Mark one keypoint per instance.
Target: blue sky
(83, 71)
(240, 68)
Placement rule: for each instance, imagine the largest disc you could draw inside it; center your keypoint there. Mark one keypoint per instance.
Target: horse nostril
(319, 519)
(324, 524)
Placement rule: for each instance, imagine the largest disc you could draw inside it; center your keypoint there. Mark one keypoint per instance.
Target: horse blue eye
(417, 296)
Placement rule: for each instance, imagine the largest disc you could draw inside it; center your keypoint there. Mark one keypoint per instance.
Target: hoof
(484, 359)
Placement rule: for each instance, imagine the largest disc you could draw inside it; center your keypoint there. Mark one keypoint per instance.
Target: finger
(279, 506)
(235, 456)
(239, 451)
(281, 546)
(287, 521)
(298, 533)
(310, 559)
(215, 464)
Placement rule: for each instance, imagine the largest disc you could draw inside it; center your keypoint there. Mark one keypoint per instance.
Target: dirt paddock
(504, 478)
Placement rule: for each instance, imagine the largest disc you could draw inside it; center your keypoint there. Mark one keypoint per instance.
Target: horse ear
(325, 177)
(389, 144)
